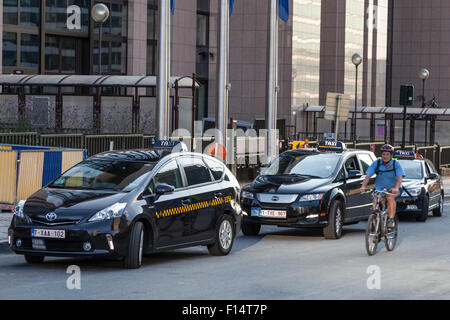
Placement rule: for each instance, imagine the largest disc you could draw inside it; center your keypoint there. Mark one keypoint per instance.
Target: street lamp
(294, 113)
(423, 74)
(356, 60)
(100, 14)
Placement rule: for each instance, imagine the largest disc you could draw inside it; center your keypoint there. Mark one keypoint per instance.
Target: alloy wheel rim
(225, 234)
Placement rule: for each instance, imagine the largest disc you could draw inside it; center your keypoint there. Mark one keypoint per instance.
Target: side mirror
(433, 176)
(163, 189)
(352, 174)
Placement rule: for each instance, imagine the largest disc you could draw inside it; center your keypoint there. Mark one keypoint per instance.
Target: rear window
(215, 167)
(195, 170)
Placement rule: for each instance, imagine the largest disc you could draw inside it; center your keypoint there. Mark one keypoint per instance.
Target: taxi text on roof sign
(330, 145)
(404, 154)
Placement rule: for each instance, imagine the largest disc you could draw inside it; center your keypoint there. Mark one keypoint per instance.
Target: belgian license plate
(411, 207)
(48, 233)
(257, 212)
(38, 244)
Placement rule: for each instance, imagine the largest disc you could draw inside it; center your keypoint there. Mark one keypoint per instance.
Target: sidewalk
(5, 217)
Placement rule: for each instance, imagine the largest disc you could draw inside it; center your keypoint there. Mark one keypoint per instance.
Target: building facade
(395, 39)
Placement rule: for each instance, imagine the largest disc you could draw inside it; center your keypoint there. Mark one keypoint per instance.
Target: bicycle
(376, 225)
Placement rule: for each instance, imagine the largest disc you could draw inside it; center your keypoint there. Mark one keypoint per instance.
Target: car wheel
(423, 215)
(224, 237)
(438, 211)
(250, 229)
(133, 259)
(335, 221)
(34, 259)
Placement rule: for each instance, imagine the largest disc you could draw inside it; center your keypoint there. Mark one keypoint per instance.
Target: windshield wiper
(306, 175)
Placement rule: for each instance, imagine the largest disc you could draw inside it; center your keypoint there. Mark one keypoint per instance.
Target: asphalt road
(278, 264)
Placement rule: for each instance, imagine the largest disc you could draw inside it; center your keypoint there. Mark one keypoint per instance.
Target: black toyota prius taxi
(423, 184)
(127, 203)
(316, 188)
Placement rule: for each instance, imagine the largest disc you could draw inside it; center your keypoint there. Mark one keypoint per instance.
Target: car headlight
(18, 209)
(247, 195)
(311, 197)
(414, 192)
(113, 211)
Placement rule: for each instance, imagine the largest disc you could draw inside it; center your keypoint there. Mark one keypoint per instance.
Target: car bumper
(297, 216)
(76, 236)
(409, 204)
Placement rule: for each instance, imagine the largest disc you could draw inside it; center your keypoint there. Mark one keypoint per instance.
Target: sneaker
(390, 224)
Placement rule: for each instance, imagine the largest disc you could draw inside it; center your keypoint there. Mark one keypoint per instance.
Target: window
(427, 169)
(62, 54)
(431, 166)
(351, 164)
(10, 10)
(29, 12)
(366, 161)
(215, 167)
(152, 62)
(56, 14)
(29, 51)
(9, 49)
(195, 170)
(170, 175)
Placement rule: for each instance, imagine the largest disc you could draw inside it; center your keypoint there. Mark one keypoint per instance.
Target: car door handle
(186, 202)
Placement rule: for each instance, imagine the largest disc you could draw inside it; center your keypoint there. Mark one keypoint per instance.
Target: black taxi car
(423, 184)
(317, 188)
(127, 203)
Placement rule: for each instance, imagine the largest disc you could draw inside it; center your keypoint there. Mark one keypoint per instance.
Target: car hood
(286, 184)
(412, 183)
(69, 203)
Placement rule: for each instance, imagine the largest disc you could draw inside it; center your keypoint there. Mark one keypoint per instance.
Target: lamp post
(294, 113)
(356, 60)
(424, 74)
(100, 13)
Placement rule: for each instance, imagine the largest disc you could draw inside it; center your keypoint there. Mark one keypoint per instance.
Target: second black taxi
(316, 188)
(424, 187)
(127, 203)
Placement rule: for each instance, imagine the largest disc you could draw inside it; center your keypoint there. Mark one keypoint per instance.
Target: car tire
(133, 259)
(335, 221)
(438, 211)
(34, 259)
(224, 237)
(250, 229)
(423, 215)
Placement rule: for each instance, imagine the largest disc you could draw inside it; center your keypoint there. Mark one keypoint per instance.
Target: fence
(26, 169)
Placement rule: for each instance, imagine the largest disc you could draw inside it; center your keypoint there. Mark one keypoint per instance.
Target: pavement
(5, 217)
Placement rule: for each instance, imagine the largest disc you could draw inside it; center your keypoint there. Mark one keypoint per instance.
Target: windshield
(315, 165)
(104, 174)
(412, 168)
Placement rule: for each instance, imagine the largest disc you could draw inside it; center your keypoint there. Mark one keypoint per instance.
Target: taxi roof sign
(404, 154)
(164, 147)
(331, 146)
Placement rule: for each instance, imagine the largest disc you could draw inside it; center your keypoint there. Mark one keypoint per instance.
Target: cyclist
(389, 176)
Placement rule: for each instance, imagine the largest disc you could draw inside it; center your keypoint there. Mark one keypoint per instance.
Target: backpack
(377, 170)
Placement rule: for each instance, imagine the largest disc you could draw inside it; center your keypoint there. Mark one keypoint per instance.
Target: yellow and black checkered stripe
(192, 207)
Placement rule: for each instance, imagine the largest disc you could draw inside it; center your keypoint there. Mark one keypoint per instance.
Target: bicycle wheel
(390, 238)
(372, 235)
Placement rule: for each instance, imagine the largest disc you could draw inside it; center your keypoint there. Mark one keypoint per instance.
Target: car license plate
(38, 244)
(279, 214)
(411, 207)
(48, 233)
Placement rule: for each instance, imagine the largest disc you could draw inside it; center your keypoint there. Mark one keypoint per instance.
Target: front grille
(58, 222)
(56, 245)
